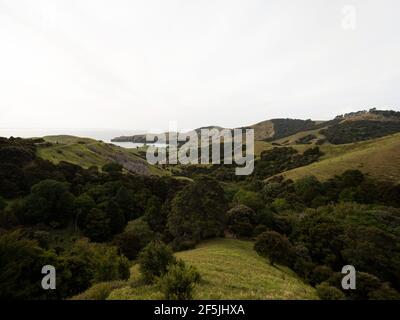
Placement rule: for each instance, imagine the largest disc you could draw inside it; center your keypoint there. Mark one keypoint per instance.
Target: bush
(129, 244)
(112, 167)
(327, 292)
(240, 220)
(136, 236)
(99, 291)
(275, 247)
(103, 262)
(366, 284)
(179, 282)
(385, 292)
(154, 260)
(320, 274)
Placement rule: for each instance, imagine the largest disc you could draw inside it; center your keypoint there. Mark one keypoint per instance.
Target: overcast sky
(127, 64)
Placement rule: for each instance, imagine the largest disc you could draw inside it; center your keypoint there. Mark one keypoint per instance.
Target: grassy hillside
(378, 158)
(87, 152)
(230, 269)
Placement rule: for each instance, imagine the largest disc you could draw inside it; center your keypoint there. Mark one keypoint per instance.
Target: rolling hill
(378, 158)
(87, 152)
(230, 269)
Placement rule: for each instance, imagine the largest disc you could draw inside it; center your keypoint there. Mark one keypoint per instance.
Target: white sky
(126, 64)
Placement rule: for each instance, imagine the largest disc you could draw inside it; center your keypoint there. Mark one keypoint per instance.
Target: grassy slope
(230, 269)
(87, 152)
(378, 158)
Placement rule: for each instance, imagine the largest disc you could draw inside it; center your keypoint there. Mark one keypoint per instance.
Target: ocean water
(99, 134)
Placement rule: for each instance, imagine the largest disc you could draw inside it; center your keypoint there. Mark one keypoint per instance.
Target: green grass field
(230, 269)
(378, 158)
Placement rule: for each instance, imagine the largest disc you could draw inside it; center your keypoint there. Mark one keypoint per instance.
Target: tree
(250, 199)
(352, 178)
(155, 215)
(366, 284)
(240, 220)
(275, 247)
(112, 167)
(320, 274)
(307, 188)
(97, 226)
(154, 260)
(129, 244)
(21, 262)
(116, 216)
(197, 212)
(385, 292)
(50, 202)
(83, 204)
(126, 201)
(179, 281)
(100, 262)
(327, 292)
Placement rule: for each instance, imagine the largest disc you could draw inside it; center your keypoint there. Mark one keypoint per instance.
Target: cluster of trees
(354, 131)
(323, 240)
(278, 160)
(270, 163)
(120, 215)
(311, 226)
(316, 228)
(287, 127)
(84, 264)
(306, 139)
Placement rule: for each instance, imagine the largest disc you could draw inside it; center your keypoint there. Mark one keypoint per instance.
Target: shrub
(129, 244)
(112, 167)
(366, 284)
(240, 220)
(179, 282)
(99, 291)
(385, 292)
(327, 292)
(275, 247)
(101, 262)
(154, 260)
(320, 274)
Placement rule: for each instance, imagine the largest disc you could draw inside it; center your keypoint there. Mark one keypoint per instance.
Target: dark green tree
(112, 167)
(275, 247)
(197, 212)
(97, 226)
(49, 202)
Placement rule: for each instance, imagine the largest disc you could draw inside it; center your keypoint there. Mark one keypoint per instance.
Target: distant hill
(87, 152)
(351, 127)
